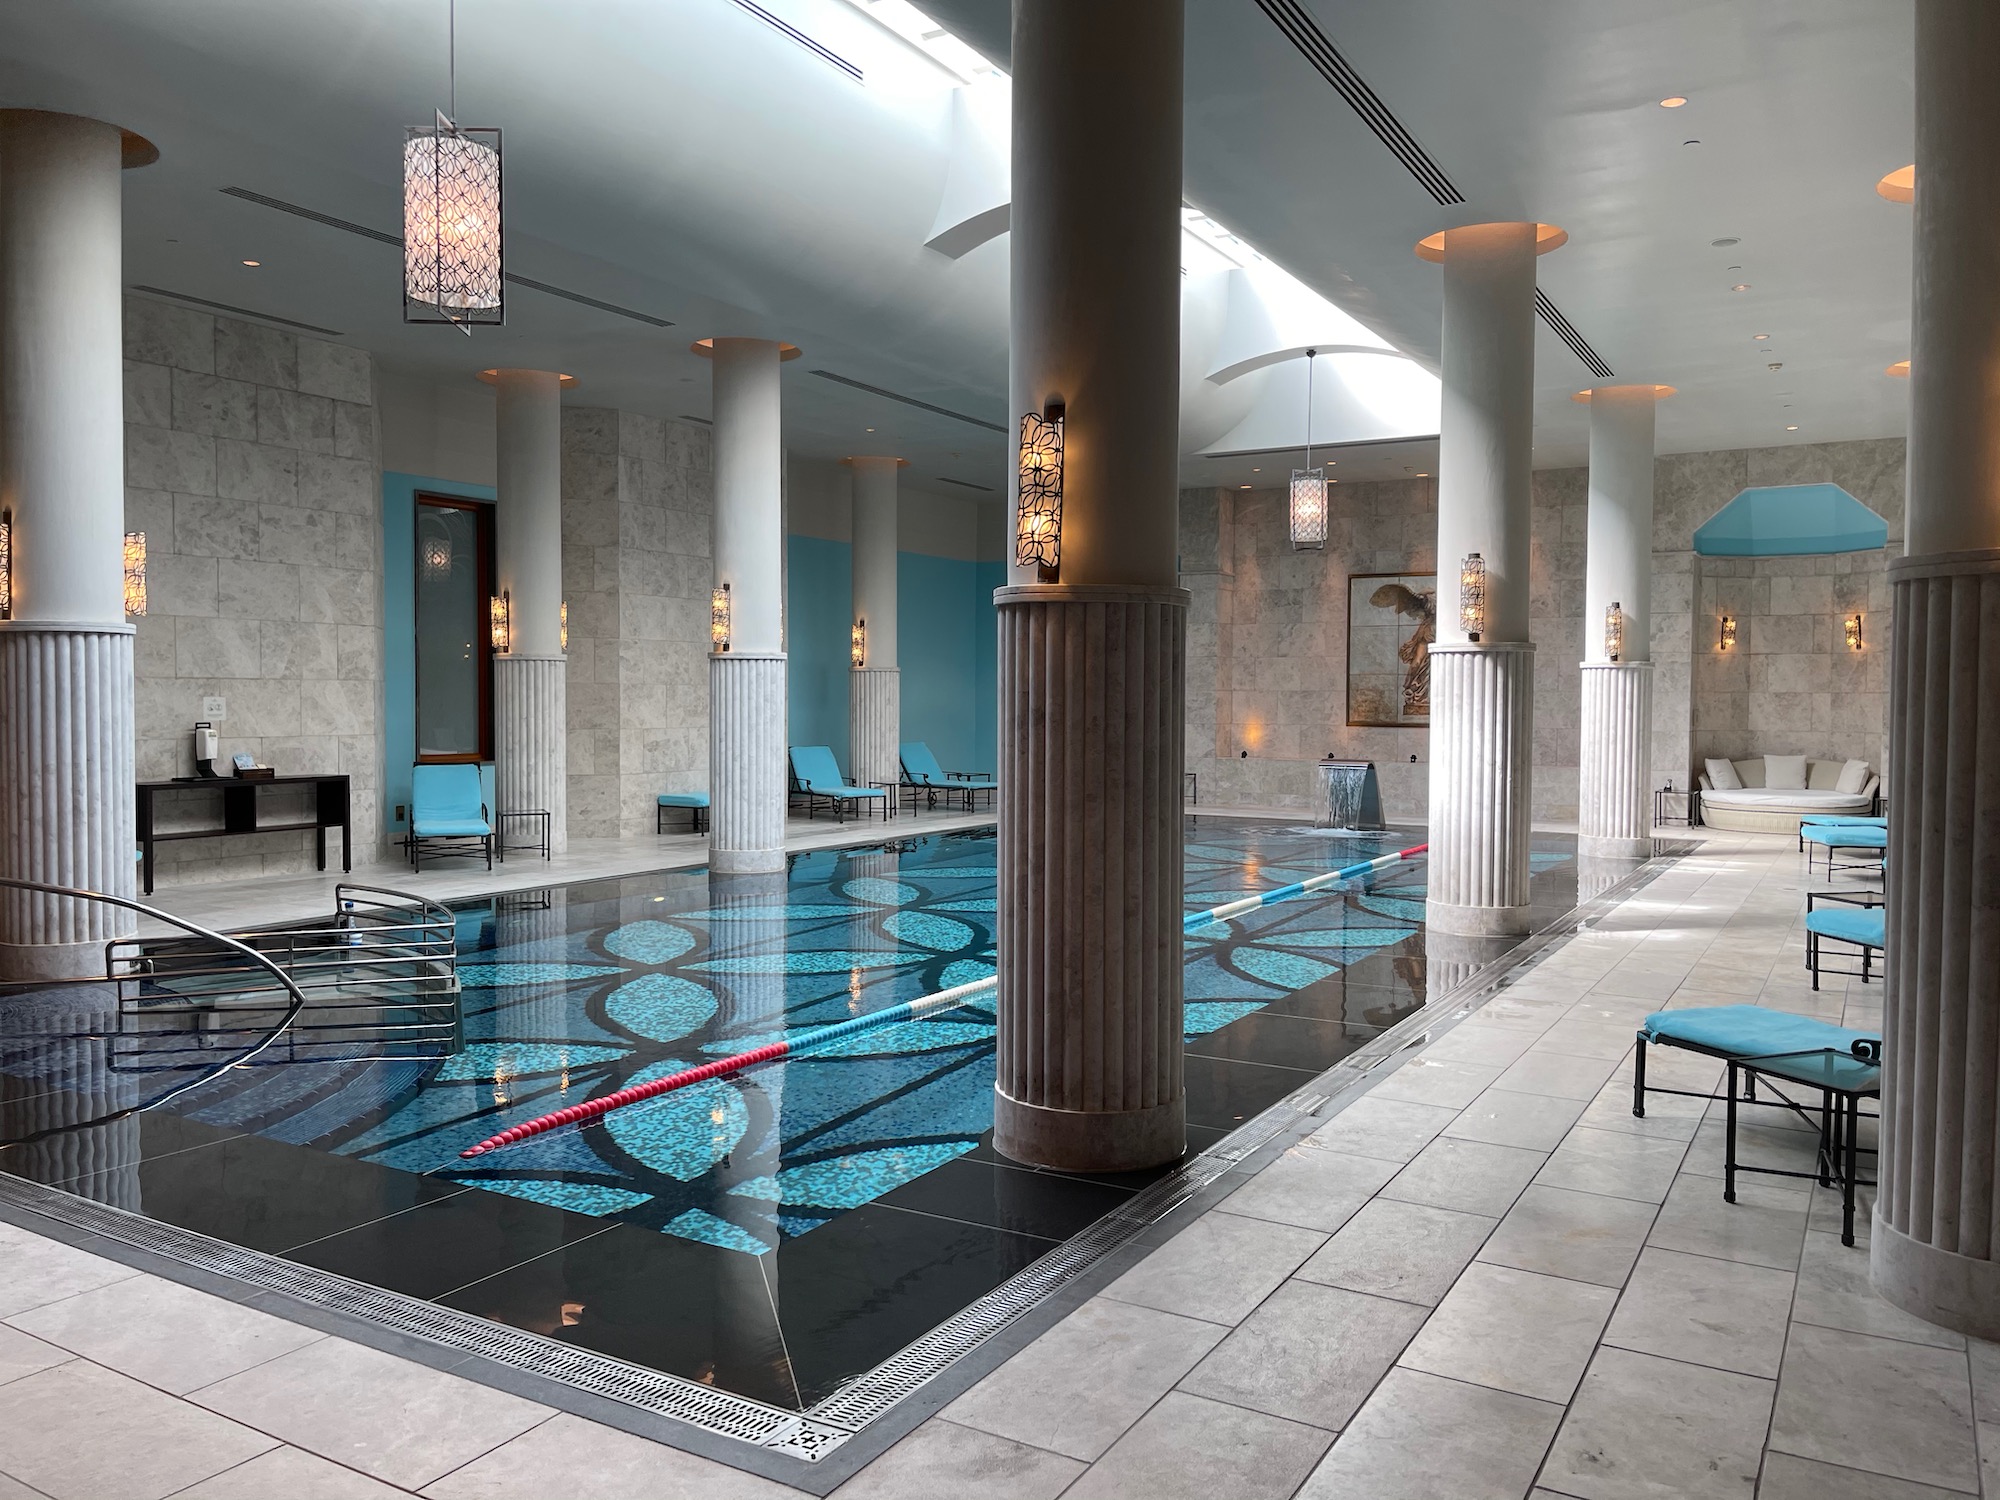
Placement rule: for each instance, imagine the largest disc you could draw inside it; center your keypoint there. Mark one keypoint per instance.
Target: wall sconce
(1614, 631)
(563, 627)
(135, 573)
(858, 643)
(718, 618)
(1728, 638)
(500, 608)
(1038, 520)
(1854, 632)
(1309, 485)
(1472, 595)
(6, 565)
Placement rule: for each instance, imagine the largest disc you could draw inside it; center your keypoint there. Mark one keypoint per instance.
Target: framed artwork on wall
(1391, 622)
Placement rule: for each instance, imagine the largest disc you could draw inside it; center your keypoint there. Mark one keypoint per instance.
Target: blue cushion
(921, 767)
(816, 770)
(1846, 836)
(1770, 1038)
(683, 799)
(849, 793)
(1843, 820)
(1851, 924)
(445, 802)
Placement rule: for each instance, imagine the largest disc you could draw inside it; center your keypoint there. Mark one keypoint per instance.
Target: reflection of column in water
(867, 934)
(533, 927)
(72, 1080)
(1450, 959)
(1596, 874)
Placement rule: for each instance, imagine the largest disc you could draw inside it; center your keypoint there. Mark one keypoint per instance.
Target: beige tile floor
(1484, 1278)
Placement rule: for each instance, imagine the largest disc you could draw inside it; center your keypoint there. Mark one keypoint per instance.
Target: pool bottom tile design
(776, 1233)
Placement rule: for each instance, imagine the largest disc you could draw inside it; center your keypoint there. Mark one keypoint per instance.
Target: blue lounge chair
(921, 772)
(1835, 837)
(1838, 820)
(1855, 918)
(448, 811)
(694, 804)
(1782, 1049)
(816, 777)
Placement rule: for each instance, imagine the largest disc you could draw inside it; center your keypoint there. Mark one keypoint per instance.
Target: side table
(892, 795)
(500, 843)
(1690, 813)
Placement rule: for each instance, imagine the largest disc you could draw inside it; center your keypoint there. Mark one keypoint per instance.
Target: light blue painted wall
(399, 629)
(946, 645)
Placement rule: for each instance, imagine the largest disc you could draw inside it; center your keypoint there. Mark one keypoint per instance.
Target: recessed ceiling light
(1741, 286)
(1243, 486)
(1673, 101)
(1793, 428)
(1256, 471)
(1900, 186)
(871, 429)
(1760, 337)
(1775, 365)
(253, 263)
(1423, 473)
(1900, 369)
(1725, 242)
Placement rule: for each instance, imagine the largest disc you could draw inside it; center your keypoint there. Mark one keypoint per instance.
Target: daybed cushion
(1853, 776)
(1785, 773)
(1722, 776)
(1795, 804)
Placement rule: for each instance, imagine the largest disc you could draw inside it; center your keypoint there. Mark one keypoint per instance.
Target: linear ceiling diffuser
(454, 266)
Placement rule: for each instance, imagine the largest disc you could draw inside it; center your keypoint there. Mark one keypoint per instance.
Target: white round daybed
(1757, 808)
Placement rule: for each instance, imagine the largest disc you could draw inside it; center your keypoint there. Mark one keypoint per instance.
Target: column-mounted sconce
(135, 573)
(500, 610)
(562, 618)
(1038, 520)
(857, 647)
(1614, 631)
(1853, 632)
(718, 618)
(1727, 640)
(6, 565)
(1472, 595)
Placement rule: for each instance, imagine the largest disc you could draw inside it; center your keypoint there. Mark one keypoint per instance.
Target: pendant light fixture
(454, 268)
(1309, 485)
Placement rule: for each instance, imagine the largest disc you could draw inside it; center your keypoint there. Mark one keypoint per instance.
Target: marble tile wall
(1267, 636)
(636, 512)
(251, 466)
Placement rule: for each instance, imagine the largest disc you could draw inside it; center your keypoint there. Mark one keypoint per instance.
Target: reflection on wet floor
(775, 1233)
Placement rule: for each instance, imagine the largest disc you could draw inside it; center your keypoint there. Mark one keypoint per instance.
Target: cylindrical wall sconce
(563, 627)
(718, 618)
(500, 609)
(1728, 637)
(1038, 522)
(1472, 595)
(1854, 632)
(135, 573)
(6, 565)
(1614, 631)
(857, 649)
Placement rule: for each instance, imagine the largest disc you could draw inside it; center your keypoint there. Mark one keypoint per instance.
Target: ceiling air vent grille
(802, 39)
(1303, 32)
(1566, 331)
(876, 390)
(348, 225)
(241, 312)
(967, 484)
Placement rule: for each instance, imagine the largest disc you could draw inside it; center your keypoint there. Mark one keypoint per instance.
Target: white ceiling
(683, 158)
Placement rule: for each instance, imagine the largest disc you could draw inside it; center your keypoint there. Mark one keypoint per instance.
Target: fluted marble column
(531, 678)
(1935, 1247)
(66, 737)
(1093, 664)
(1482, 692)
(746, 673)
(875, 695)
(1614, 815)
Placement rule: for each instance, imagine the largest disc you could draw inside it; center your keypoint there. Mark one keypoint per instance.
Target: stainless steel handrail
(298, 1001)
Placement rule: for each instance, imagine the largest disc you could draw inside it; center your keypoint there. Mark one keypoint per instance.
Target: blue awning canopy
(1788, 520)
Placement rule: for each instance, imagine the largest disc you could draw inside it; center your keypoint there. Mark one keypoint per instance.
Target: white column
(1093, 665)
(746, 734)
(66, 748)
(1935, 1249)
(876, 693)
(1614, 815)
(530, 679)
(1482, 692)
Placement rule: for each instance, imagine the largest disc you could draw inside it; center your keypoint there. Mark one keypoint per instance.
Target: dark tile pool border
(818, 1449)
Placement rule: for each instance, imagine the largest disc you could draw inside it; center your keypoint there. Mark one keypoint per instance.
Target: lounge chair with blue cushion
(447, 812)
(1855, 918)
(1782, 1049)
(1835, 820)
(1835, 837)
(694, 804)
(816, 777)
(921, 772)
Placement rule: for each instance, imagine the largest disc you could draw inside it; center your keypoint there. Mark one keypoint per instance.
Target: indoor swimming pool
(776, 1232)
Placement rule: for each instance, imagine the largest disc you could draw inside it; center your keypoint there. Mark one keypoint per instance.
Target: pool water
(781, 1230)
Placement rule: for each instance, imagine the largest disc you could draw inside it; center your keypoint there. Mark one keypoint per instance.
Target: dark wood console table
(330, 809)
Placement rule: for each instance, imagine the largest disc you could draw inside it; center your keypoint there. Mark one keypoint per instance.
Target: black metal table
(500, 843)
(331, 808)
(1690, 807)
